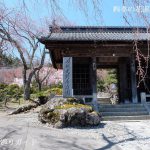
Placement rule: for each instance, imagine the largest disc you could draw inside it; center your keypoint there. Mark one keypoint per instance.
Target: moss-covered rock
(62, 112)
(74, 105)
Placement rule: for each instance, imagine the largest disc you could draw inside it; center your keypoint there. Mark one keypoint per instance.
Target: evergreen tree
(8, 60)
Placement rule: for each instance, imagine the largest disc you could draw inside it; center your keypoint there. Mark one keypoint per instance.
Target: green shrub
(10, 91)
(14, 90)
(57, 91)
(58, 85)
(33, 89)
(47, 92)
(2, 94)
(41, 93)
(3, 85)
(45, 88)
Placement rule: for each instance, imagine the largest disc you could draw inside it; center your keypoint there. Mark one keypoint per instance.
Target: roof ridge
(73, 26)
(104, 27)
(117, 29)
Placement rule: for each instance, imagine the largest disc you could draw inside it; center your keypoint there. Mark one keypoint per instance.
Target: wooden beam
(54, 43)
(104, 59)
(87, 47)
(123, 79)
(97, 53)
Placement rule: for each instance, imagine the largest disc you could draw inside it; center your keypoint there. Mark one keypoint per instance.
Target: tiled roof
(98, 34)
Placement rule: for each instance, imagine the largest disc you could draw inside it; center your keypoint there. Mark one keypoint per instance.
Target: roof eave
(44, 40)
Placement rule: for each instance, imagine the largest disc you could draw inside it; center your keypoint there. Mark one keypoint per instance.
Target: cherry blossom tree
(41, 76)
(18, 29)
(48, 76)
(20, 32)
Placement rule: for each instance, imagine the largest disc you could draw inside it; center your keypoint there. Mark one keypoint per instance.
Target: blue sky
(38, 9)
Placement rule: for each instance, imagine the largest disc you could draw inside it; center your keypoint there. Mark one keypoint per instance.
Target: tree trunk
(39, 86)
(27, 91)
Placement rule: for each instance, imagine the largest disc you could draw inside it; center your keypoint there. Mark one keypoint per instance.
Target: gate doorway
(107, 86)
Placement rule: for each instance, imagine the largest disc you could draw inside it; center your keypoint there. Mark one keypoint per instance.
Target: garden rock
(37, 102)
(56, 102)
(93, 118)
(63, 112)
(59, 125)
(24, 109)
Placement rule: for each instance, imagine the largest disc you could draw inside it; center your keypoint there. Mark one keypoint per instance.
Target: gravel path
(24, 132)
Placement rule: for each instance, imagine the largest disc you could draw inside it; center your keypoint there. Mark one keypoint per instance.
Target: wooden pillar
(123, 79)
(67, 77)
(133, 80)
(94, 84)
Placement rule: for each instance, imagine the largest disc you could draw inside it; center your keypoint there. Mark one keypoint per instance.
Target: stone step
(134, 109)
(123, 112)
(120, 106)
(104, 102)
(119, 118)
(135, 113)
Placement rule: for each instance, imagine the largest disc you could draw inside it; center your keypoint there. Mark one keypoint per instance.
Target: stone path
(24, 132)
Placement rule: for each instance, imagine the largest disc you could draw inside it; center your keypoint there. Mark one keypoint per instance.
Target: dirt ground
(25, 132)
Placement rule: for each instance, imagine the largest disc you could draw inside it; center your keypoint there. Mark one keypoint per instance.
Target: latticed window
(81, 79)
